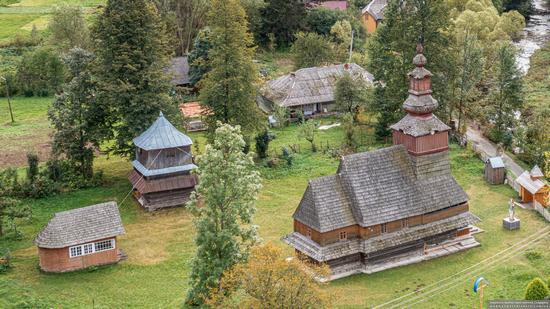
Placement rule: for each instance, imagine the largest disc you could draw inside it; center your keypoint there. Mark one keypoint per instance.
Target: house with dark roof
(309, 90)
(373, 14)
(533, 188)
(81, 238)
(179, 71)
(389, 207)
(162, 169)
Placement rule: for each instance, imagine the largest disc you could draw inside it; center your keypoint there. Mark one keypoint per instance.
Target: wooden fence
(542, 211)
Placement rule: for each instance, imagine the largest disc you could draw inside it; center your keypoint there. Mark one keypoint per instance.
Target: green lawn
(160, 245)
(11, 24)
(30, 132)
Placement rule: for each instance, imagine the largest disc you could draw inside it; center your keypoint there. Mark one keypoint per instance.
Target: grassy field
(31, 129)
(19, 17)
(160, 245)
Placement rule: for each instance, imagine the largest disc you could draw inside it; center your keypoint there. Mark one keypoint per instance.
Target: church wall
(424, 144)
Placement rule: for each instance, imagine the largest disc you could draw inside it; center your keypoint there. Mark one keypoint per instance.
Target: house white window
(75, 251)
(90, 248)
(343, 236)
(104, 245)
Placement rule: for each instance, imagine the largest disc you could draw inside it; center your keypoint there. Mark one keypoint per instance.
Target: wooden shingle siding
(422, 145)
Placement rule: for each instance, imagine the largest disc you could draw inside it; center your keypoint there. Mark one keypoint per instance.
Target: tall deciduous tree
(506, 94)
(223, 205)
(311, 49)
(351, 94)
(283, 18)
(68, 28)
(9, 211)
(228, 88)
(392, 50)
(269, 280)
(132, 55)
(76, 114)
(470, 71)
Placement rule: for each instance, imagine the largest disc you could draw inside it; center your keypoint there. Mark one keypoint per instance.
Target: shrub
(533, 255)
(536, 290)
(287, 156)
(5, 259)
(262, 143)
(40, 73)
(32, 169)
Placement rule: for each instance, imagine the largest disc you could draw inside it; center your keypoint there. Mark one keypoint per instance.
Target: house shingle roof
(376, 8)
(530, 184)
(496, 162)
(81, 225)
(179, 68)
(309, 85)
(162, 135)
(380, 186)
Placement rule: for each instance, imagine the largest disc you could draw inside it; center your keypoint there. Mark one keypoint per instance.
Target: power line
(438, 290)
(464, 270)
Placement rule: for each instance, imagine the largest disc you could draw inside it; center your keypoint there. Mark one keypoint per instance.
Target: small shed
(533, 188)
(162, 169)
(495, 171)
(81, 238)
(194, 115)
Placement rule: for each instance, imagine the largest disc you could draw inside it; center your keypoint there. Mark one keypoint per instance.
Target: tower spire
(420, 100)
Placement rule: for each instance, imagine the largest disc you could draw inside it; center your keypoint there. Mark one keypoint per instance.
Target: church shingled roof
(162, 135)
(380, 186)
(81, 225)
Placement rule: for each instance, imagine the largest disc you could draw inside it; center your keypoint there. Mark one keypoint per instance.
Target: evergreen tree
(132, 54)
(506, 94)
(228, 88)
(283, 18)
(198, 58)
(393, 47)
(223, 205)
(536, 290)
(76, 115)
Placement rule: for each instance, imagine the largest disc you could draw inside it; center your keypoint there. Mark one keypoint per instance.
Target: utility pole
(8, 95)
(351, 46)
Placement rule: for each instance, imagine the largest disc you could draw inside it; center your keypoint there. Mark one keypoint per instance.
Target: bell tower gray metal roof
(162, 135)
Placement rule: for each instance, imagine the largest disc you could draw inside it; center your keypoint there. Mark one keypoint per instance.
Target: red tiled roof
(193, 110)
(335, 5)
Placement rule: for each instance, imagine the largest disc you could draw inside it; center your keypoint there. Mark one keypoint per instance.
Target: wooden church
(162, 176)
(389, 207)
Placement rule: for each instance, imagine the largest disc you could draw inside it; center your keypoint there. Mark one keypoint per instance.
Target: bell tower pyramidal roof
(415, 129)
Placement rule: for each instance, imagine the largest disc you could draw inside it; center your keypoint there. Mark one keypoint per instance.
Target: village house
(162, 169)
(373, 14)
(81, 238)
(193, 116)
(309, 90)
(389, 207)
(533, 188)
(179, 71)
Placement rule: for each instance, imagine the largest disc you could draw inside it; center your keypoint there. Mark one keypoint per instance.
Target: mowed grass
(160, 246)
(11, 24)
(30, 132)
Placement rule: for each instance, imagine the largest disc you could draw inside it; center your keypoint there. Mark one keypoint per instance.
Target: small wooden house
(80, 238)
(533, 188)
(309, 90)
(373, 14)
(193, 116)
(495, 171)
(162, 169)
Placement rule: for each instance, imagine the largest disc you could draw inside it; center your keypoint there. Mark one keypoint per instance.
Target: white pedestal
(511, 225)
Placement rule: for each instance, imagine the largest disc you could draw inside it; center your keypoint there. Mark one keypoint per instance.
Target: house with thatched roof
(162, 176)
(389, 207)
(373, 14)
(309, 90)
(81, 238)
